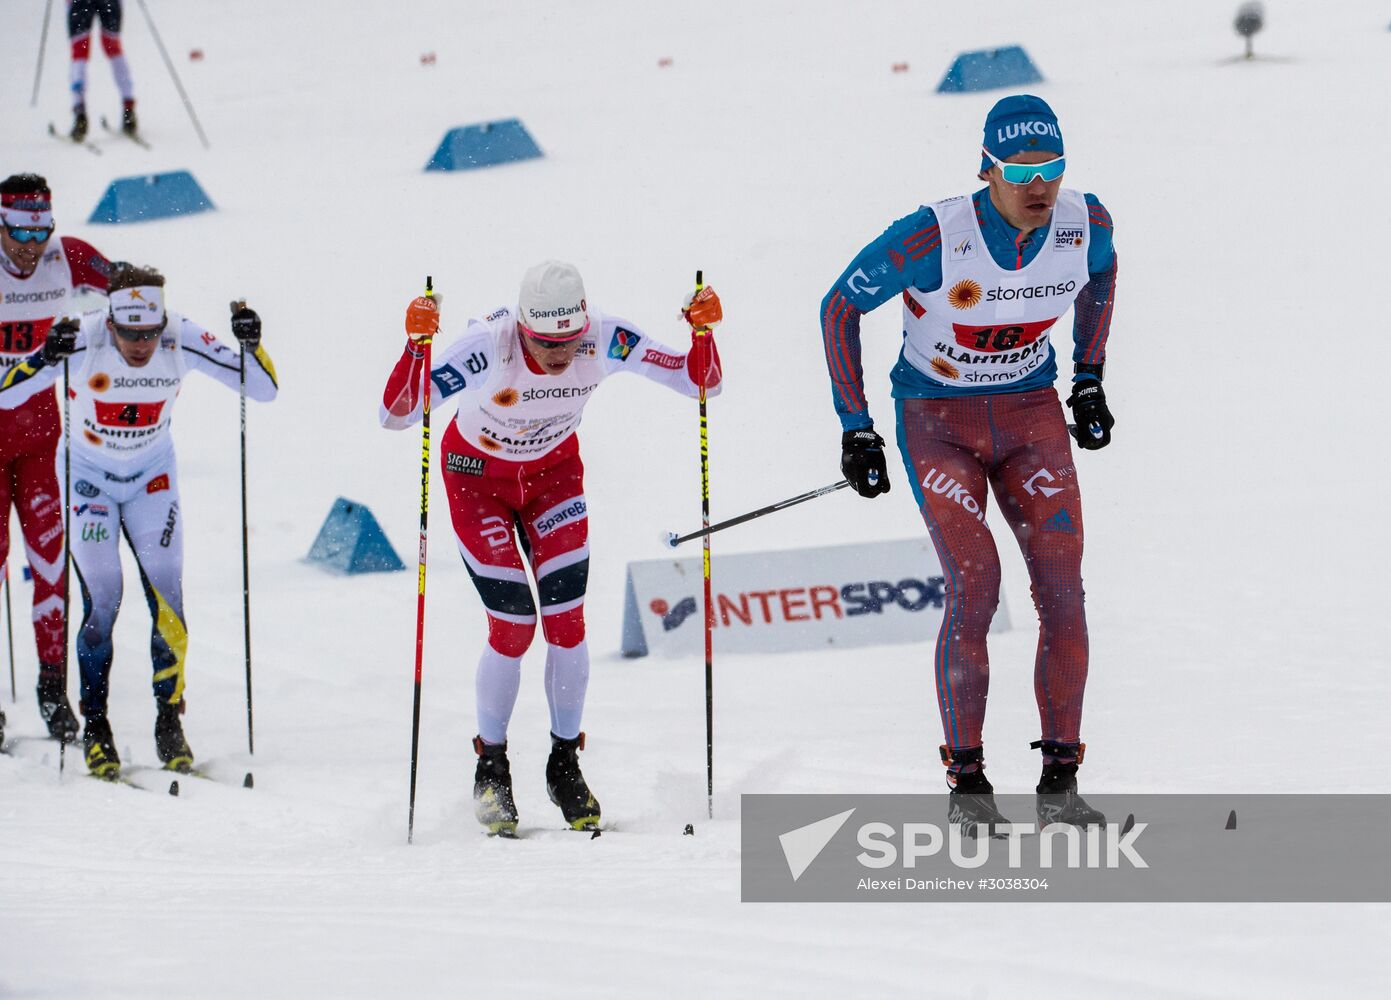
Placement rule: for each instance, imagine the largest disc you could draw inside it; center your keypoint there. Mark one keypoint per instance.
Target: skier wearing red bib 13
(39, 278)
(512, 469)
(983, 278)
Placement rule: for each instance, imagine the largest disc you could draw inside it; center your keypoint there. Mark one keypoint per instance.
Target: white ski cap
(139, 306)
(551, 305)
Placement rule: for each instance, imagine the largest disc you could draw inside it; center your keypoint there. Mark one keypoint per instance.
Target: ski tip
(1231, 820)
(174, 788)
(1128, 825)
(430, 286)
(700, 279)
(689, 831)
(248, 781)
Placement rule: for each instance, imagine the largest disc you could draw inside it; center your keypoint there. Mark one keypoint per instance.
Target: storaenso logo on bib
(564, 392)
(1030, 292)
(564, 513)
(144, 382)
(19, 298)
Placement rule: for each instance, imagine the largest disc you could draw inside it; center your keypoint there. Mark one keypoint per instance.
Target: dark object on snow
(1250, 18)
(1231, 820)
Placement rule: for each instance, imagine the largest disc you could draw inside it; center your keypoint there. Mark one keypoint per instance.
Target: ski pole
(43, 44)
(673, 539)
(67, 544)
(709, 605)
(245, 557)
(9, 625)
(420, 576)
(188, 105)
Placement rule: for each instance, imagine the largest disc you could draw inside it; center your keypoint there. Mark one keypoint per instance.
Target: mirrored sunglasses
(1024, 173)
(138, 334)
(27, 234)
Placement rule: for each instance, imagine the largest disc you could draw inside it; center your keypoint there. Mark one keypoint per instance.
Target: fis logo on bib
(1068, 238)
(963, 246)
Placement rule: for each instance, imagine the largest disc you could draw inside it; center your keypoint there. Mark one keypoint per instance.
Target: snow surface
(1237, 525)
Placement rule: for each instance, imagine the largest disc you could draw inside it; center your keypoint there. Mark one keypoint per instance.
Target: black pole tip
(248, 781)
(689, 831)
(174, 788)
(1231, 820)
(1128, 825)
(595, 834)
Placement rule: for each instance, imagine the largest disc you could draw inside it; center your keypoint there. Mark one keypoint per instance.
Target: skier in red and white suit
(513, 472)
(39, 278)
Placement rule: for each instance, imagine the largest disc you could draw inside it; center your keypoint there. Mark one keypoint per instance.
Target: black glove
(61, 342)
(246, 327)
(1089, 413)
(862, 462)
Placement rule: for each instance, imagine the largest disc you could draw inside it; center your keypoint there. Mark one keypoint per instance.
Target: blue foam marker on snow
(351, 541)
(153, 196)
(485, 145)
(989, 69)
(634, 642)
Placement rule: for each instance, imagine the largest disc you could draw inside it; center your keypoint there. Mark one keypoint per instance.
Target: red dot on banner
(664, 62)
(427, 59)
(900, 67)
(660, 607)
(195, 55)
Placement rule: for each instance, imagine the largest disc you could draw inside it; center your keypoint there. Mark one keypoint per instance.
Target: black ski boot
(492, 789)
(100, 746)
(169, 737)
(972, 804)
(1058, 801)
(54, 707)
(79, 124)
(128, 122)
(566, 785)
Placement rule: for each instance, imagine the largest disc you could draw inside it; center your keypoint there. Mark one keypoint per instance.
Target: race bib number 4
(129, 414)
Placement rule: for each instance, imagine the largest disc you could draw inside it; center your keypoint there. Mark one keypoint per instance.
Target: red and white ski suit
(30, 430)
(513, 473)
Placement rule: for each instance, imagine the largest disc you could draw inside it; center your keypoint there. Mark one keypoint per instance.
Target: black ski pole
(178, 85)
(43, 44)
(9, 625)
(67, 546)
(245, 560)
(420, 575)
(673, 539)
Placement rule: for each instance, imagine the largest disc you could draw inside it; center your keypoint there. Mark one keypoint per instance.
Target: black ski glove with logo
(61, 342)
(862, 461)
(1093, 420)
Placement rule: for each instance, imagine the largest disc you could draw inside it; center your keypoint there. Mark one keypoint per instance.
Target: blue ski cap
(1018, 124)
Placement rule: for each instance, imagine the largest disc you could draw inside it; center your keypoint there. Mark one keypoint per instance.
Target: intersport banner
(769, 602)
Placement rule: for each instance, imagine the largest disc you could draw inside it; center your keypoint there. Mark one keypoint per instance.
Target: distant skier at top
(521, 377)
(983, 278)
(127, 365)
(40, 276)
(81, 15)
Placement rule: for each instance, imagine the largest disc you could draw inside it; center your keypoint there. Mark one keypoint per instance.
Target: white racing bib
(121, 414)
(987, 325)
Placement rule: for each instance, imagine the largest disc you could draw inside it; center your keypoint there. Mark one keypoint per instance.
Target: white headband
(139, 306)
(25, 218)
